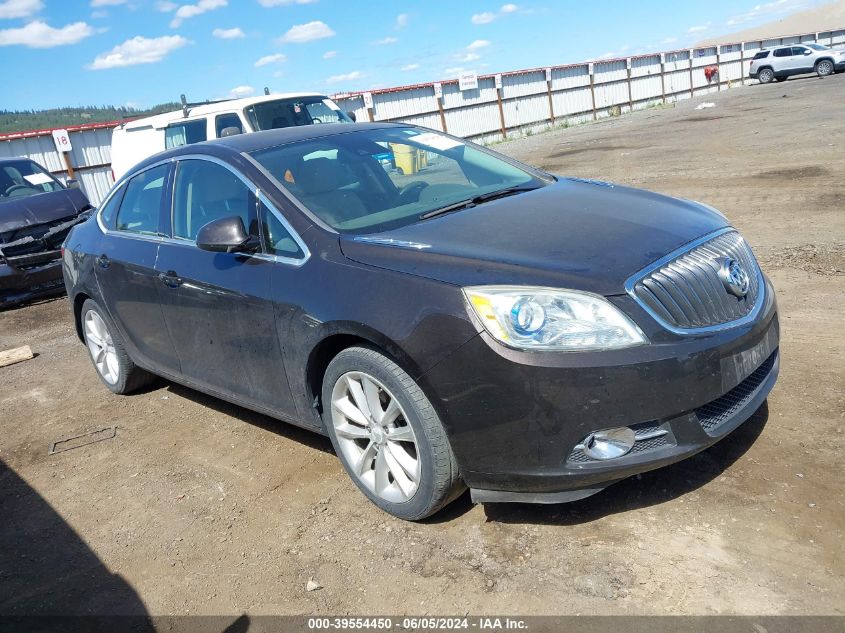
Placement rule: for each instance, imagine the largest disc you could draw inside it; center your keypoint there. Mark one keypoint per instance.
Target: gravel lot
(200, 507)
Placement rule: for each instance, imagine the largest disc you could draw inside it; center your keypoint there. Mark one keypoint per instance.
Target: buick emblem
(733, 276)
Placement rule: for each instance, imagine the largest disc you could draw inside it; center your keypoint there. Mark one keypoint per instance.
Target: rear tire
(824, 68)
(105, 347)
(387, 435)
(766, 76)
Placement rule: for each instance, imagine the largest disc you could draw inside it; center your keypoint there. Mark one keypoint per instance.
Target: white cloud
(669, 40)
(698, 28)
(166, 6)
(241, 91)
(329, 54)
(478, 44)
(455, 70)
(402, 20)
(228, 34)
(39, 34)
(386, 41)
(487, 17)
(767, 9)
(106, 3)
(483, 18)
(138, 50)
(282, 3)
(11, 9)
(468, 57)
(192, 10)
(301, 33)
(336, 79)
(271, 59)
(409, 67)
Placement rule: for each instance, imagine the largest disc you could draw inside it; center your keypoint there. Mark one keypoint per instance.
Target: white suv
(784, 61)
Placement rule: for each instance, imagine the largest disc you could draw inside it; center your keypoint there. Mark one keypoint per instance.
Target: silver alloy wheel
(376, 439)
(766, 76)
(824, 68)
(101, 346)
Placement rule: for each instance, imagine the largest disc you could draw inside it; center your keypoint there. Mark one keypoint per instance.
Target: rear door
(125, 267)
(218, 306)
(782, 60)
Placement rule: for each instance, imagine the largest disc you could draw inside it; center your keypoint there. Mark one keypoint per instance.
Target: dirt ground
(200, 507)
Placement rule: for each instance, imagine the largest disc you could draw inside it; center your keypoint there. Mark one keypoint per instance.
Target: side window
(783, 52)
(185, 133)
(761, 55)
(206, 191)
(140, 208)
(277, 239)
(222, 121)
(107, 214)
(798, 50)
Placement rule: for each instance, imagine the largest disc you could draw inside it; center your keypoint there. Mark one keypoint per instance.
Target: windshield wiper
(479, 199)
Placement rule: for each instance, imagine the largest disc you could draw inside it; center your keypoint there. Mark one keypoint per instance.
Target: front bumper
(514, 419)
(31, 277)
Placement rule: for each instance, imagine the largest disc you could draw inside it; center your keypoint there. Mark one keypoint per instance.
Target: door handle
(170, 279)
(103, 261)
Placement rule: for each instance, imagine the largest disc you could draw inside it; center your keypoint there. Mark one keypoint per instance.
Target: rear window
(185, 133)
(23, 178)
(761, 55)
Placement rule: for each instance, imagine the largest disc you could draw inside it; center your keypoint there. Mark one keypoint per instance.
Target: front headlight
(531, 318)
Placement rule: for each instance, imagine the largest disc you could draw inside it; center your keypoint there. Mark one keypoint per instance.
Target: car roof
(254, 141)
(14, 159)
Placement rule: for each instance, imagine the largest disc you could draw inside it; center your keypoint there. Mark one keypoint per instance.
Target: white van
(136, 140)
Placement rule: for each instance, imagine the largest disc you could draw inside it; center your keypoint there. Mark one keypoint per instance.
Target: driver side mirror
(72, 183)
(226, 235)
(352, 116)
(808, 52)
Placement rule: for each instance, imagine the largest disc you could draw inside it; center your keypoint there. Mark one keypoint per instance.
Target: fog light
(609, 444)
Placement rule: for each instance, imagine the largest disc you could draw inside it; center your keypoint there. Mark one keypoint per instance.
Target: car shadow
(309, 438)
(649, 489)
(46, 569)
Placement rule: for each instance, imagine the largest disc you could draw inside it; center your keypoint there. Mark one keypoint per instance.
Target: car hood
(583, 235)
(18, 213)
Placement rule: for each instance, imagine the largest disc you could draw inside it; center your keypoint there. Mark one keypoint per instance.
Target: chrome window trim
(122, 183)
(631, 282)
(293, 261)
(169, 239)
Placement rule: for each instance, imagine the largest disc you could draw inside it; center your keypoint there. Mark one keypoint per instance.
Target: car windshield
(23, 178)
(818, 47)
(279, 113)
(366, 181)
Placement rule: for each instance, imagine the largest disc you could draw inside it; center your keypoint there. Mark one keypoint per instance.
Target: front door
(125, 269)
(217, 306)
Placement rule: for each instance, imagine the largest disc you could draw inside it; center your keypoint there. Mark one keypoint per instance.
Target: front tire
(766, 76)
(387, 435)
(114, 367)
(824, 68)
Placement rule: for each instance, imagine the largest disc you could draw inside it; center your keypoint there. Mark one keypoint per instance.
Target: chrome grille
(684, 292)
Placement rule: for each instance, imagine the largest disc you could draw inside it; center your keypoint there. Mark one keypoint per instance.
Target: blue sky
(143, 52)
